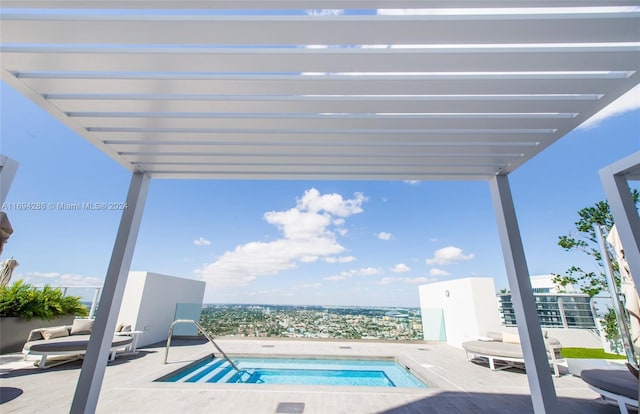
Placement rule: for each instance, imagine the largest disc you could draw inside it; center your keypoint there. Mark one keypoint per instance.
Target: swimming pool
(341, 372)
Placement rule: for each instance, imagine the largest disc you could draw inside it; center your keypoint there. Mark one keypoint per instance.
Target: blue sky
(295, 242)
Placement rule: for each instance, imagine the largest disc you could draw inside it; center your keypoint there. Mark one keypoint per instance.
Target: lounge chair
(70, 342)
(505, 347)
(617, 385)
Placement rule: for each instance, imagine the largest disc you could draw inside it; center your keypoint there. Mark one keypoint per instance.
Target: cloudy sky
(296, 242)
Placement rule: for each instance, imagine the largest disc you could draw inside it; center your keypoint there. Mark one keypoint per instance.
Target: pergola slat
(330, 60)
(303, 4)
(320, 30)
(390, 86)
(169, 77)
(319, 123)
(381, 104)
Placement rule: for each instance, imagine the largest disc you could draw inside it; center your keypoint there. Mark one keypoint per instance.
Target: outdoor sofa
(618, 385)
(71, 341)
(506, 347)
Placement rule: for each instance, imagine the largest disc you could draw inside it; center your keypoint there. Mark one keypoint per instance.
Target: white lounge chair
(70, 342)
(617, 385)
(505, 347)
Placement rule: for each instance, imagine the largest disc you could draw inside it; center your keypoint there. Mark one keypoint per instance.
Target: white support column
(8, 168)
(543, 393)
(624, 212)
(85, 399)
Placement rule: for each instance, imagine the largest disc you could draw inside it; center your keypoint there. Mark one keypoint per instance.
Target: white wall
(149, 304)
(468, 306)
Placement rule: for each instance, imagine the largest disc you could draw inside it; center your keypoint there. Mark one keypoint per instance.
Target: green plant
(589, 353)
(610, 328)
(24, 301)
(585, 240)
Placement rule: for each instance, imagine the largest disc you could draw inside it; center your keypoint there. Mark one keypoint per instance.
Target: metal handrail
(206, 335)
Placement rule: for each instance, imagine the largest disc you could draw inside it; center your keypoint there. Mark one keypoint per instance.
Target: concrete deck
(457, 385)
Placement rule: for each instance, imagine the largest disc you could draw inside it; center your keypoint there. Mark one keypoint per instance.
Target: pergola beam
(543, 394)
(94, 365)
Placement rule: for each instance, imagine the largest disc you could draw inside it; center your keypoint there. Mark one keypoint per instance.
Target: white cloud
(405, 280)
(309, 259)
(400, 268)
(339, 277)
(308, 234)
(333, 204)
(438, 272)
(412, 182)
(56, 279)
(325, 12)
(342, 259)
(416, 280)
(628, 102)
(39, 275)
(369, 271)
(365, 271)
(383, 235)
(270, 292)
(448, 255)
(202, 242)
(308, 286)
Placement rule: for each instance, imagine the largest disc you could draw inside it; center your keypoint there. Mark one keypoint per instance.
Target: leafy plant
(25, 301)
(610, 328)
(586, 241)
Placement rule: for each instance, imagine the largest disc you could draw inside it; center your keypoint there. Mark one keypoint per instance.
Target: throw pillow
(81, 327)
(54, 332)
(510, 338)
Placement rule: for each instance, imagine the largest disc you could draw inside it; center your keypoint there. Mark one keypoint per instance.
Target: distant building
(397, 315)
(544, 284)
(555, 310)
(460, 309)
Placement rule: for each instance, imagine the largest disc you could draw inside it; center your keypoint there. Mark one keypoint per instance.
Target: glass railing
(89, 295)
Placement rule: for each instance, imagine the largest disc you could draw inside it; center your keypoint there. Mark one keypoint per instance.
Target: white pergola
(277, 89)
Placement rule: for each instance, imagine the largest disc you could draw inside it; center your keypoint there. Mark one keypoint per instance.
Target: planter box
(14, 331)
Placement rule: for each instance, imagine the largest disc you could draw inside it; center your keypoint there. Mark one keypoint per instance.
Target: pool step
(196, 375)
(217, 370)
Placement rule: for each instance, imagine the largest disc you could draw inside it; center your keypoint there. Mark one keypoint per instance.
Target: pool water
(342, 372)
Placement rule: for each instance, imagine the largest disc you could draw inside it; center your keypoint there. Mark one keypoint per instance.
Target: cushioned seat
(494, 348)
(615, 381)
(71, 343)
(506, 347)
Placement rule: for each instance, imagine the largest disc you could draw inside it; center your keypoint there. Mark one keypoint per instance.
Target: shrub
(24, 301)
(611, 332)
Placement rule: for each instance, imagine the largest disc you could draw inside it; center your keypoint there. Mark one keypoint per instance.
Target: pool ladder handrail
(206, 335)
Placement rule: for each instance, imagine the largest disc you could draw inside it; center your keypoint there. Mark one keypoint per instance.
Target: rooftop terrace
(457, 386)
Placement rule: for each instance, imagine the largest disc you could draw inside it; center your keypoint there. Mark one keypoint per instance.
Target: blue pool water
(370, 373)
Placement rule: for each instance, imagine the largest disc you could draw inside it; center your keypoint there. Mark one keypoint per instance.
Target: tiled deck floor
(458, 386)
